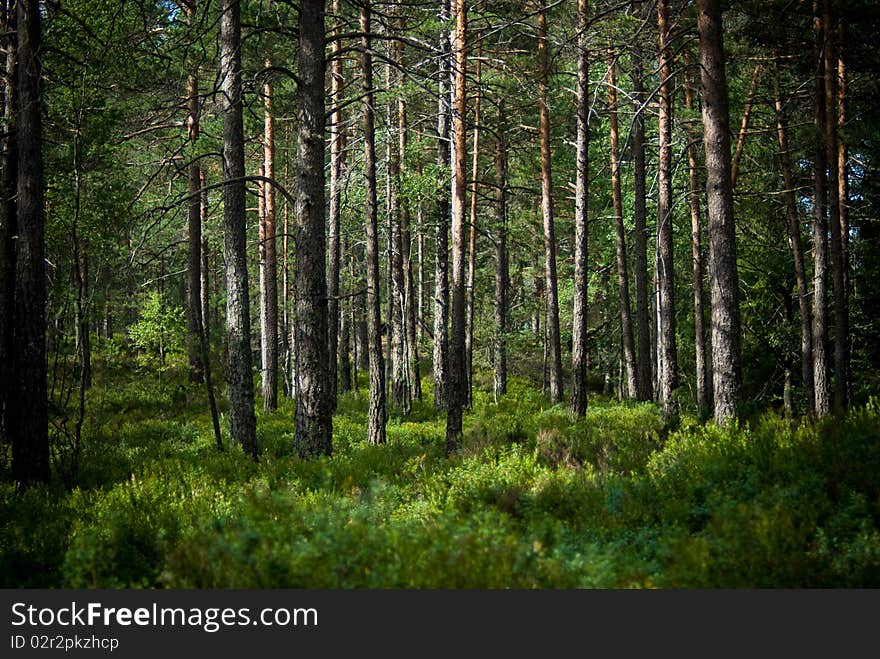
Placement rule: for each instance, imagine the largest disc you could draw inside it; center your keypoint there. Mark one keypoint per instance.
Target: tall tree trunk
(28, 411)
(838, 258)
(337, 168)
(554, 344)
(286, 311)
(794, 239)
(441, 263)
(843, 185)
(314, 409)
(822, 385)
(579, 345)
(502, 280)
(644, 356)
(626, 333)
(377, 413)
(666, 340)
(242, 420)
(703, 370)
(344, 364)
(268, 260)
(194, 222)
(744, 125)
(205, 282)
(472, 230)
(457, 366)
(8, 184)
(722, 230)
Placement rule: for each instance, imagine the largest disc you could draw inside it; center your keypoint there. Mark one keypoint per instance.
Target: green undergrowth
(532, 500)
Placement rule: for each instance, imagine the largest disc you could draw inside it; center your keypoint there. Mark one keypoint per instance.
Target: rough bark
(502, 279)
(441, 262)
(314, 408)
(377, 413)
(822, 384)
(242, 420)
(268, 260)
(667, 346)
(457, 397)
(722, 230)
(194, 224)
(554, 347)
(579, 345)
(795, 241)
(28, 412)
(337, 170)
(702, 359)
(628, 353)
(8, 183)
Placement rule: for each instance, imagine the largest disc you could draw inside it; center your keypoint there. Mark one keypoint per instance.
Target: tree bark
(626, 333)
(843, 183)
(554, 355)
(579, 344)
(822, 385)
(726, 371)
(441, 263)
(472, 230)
(337, 170)
(205, 281)
(502, 279)
(8, 228)
(314, 408)
(794, 239)
(28, 412)
(268, 260)
(744, 125)
(667, 346)
(377, 413)
(242, 419)
(838, 257)
(702, 359)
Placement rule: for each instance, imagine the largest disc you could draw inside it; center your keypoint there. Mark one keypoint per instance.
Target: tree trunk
(314, 409)
(28, 412)
(194, 223)
(822, 385)
(843, 182)
(744, 125)
(268, 261)
(703, 370)
(666, 340)
(626, 333)
(441, 263)
(722, 230)
(337, 169)
(579, 345)
(554, 355)
(502, 282)
(8, 183)
(644, 357)
(794, 239)
(472, 232)
(344, 365)
(242, 419)
(838, 257)
(457, 358)
(377, 413)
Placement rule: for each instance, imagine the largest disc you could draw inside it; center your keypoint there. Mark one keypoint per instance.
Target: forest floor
(531, 501)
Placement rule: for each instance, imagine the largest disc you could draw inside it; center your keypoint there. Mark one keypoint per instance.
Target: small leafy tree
(160, 333)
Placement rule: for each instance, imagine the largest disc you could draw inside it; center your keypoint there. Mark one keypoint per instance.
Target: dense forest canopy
(272, 213)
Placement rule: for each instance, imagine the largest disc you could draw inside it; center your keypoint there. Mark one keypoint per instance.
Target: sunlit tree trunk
(502, 279)
(268, 261)
(337, 170)
(472, 229)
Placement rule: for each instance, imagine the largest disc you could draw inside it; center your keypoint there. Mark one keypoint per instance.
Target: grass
(532, 500)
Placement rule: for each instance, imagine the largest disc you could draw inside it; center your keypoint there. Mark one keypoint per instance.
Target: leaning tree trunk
(441, 263)
(457, 359)
(501, 259)
(579, 345)
(194, 224)
(794, 239)
(377, 413)
(626, 332)
(722, 230)
(744, 125)
(28, 412)
(666, 341)
(314, 409)
(822, 385)
(242, 420)
(554, 346)
(268, 260)
(703, 370)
